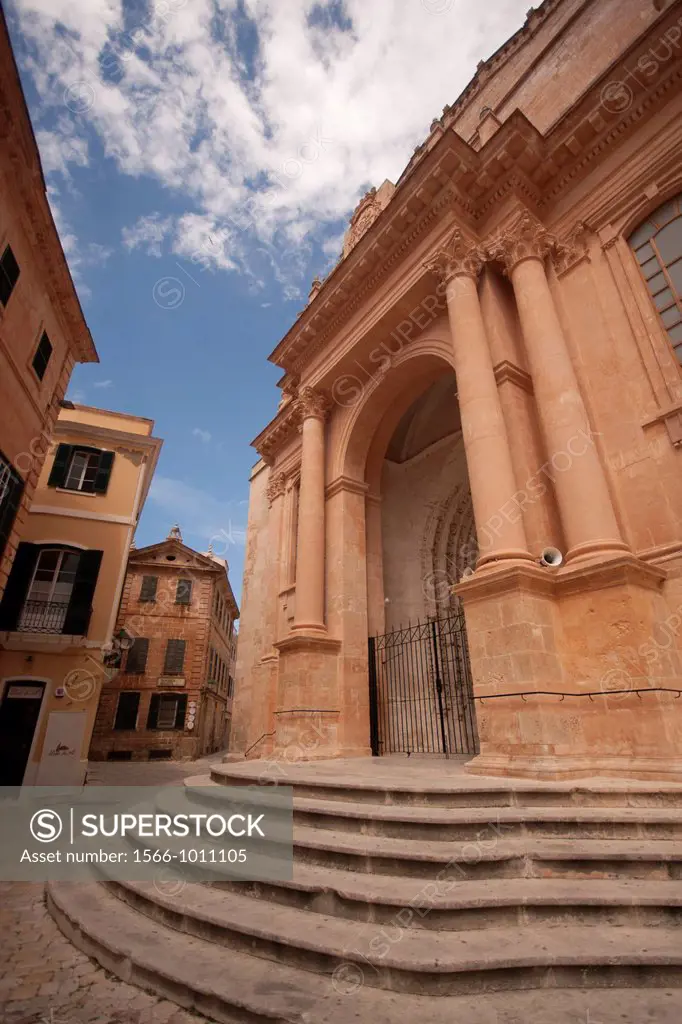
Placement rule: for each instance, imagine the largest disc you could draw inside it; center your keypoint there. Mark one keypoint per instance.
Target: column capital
(525, 239)
(312, 404)
(458, 257)
(276, 487)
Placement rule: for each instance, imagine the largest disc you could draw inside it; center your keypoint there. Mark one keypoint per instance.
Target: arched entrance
(420, 537)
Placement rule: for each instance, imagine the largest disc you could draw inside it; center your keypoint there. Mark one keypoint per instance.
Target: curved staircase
(437, 896)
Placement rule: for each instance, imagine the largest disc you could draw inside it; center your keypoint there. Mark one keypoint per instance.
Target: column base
(505, 559)
(597, 550)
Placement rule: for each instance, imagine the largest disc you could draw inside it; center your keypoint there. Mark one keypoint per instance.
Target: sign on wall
(60, 761)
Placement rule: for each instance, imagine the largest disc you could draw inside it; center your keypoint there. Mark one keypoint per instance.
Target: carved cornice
(458, 257)
(278, 432)
(276, 487)
(526, 239)
(312, 404)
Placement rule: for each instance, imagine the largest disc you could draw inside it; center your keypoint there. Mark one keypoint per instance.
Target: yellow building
(59, 608)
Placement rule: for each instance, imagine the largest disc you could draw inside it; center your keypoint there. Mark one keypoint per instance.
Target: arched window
(657, 244)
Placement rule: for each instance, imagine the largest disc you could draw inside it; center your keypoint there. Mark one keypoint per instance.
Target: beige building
(58, 612)
(43, 333)
(173, 695)
(465, 530)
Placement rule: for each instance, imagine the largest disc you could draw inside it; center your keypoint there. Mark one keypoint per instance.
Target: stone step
(462, 823)
(490, 857)
(456, 906)
(413, 960)
(243, 989)
(343, 782)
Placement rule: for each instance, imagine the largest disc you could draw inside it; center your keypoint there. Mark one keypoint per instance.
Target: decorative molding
(276, 487)
(526, 239)
(459, 257)
(572, 250)
(345, 483)
(508, 372)
(72, 513)
(312, 404)
(672, 417)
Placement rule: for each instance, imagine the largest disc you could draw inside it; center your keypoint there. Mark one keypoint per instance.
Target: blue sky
(202, 159)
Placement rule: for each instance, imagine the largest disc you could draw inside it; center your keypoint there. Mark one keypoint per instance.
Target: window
(148, 588)
(230, 686)
(183, 592)
(50, 590)
(136, 661)
(42, 356)
(167, 711)
(657, 244)
(11, 490)
(126, 710)
(9, 275)
(79, 468)
(175, 658)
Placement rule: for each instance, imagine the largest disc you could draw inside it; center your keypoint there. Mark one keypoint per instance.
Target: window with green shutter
(11, 490)
(136, 661)
(175, 658)
(167, 711)
(183, 592)
(148, 588)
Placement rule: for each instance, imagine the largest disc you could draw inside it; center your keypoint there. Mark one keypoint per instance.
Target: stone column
(585, 507)
(499, 523)
(311, 537)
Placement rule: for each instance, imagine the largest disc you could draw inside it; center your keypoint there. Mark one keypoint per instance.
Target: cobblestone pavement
(46, 980)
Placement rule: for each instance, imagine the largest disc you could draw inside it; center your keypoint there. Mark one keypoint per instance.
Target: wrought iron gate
(421, 693)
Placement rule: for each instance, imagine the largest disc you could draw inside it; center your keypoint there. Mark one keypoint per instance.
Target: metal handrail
(523, 694)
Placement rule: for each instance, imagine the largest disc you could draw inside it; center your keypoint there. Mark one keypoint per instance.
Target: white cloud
(203, 435)
(149, 234)
(103, 384)
(201, 515)
(275, 144)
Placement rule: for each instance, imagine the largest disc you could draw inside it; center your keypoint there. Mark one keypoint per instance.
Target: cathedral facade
(465, 526)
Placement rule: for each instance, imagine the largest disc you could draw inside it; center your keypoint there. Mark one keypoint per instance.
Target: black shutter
(106, 461)
(80, 606)
(175, 658)
(126, 710)
(183, 592)
(153, 711)
(148, 588)
(60, 466)
(17, 585)
(10, 507)
(136, 662)
(180, 711)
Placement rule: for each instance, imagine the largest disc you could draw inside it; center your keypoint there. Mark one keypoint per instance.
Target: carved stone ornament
(572, 249)
(311, 403)
(526, 239)
(276, 487)
(459, 256)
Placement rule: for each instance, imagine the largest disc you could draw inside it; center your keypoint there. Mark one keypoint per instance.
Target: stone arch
(362, 432)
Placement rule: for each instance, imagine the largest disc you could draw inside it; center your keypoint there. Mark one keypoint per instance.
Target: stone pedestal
(572, 675)
(307, 712)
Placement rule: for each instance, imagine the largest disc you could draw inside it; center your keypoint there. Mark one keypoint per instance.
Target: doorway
(421, 692)
(19, 713)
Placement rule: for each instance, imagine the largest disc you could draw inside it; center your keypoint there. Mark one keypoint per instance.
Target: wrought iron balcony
(49, 617)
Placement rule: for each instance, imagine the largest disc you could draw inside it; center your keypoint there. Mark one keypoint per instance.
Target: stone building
(173, 695)
(475, 461)
(43, 333)
(58, 611)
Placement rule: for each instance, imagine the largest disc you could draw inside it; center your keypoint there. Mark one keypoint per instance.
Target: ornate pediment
(366, 212)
